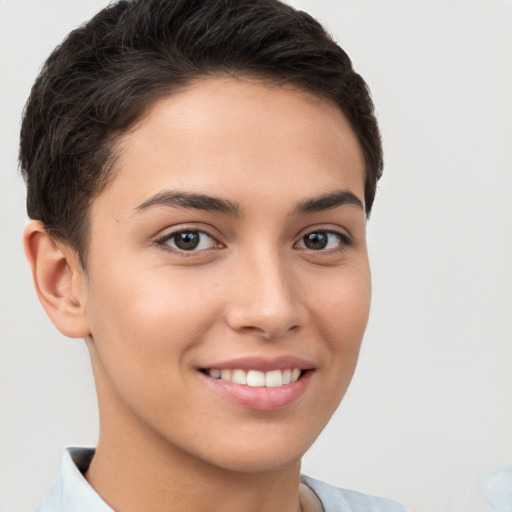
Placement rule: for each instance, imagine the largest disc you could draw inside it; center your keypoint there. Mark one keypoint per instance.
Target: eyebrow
(190, 200)
(328, 201)
(209, 203)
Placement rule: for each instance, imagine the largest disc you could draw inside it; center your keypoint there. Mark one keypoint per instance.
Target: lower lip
(262, 398)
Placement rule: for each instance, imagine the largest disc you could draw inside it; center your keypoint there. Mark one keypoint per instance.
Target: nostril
(271, 332)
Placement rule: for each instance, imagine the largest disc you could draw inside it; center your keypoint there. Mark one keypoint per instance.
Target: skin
(153, 315)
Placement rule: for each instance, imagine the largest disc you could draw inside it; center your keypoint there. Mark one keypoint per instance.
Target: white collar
(70, 491)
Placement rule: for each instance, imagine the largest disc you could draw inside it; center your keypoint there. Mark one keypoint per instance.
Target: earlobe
(58, 279)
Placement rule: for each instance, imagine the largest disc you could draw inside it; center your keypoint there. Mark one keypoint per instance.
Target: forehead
(230, 136)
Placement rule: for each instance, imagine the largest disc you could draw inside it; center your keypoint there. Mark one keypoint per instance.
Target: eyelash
(164, 241)
(343, 240)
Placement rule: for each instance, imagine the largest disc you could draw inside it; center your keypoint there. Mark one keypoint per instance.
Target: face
(228, 284)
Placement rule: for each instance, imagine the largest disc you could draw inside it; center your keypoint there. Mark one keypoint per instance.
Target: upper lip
(263, 364)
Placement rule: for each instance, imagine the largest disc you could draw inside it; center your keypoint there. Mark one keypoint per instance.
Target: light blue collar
(70, 491)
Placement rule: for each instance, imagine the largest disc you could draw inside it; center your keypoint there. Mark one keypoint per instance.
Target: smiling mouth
(256, 378)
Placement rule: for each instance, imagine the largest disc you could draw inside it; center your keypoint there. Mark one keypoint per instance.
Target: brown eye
(189, 240)
(316, 241)
(323, 240)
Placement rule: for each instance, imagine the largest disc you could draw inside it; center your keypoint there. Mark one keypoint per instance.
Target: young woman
(199, 175)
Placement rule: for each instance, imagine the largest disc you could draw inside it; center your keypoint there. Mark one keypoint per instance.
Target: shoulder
(335, 499)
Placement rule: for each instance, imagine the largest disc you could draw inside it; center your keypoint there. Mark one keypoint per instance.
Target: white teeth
(274, 379)
(225, 375)
(256, 378)
(239, 377)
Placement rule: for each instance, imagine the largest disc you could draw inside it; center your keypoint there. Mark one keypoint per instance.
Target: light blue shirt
(70, 491)
(498, 488)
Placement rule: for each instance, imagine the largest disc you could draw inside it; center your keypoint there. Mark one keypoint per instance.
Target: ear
(59, 280)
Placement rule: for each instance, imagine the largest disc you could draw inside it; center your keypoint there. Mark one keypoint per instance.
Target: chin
(269, 461)
(263, 454)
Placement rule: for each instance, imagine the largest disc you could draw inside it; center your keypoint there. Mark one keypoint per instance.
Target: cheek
(340, 317)
(147, 300)
(342, 306)
(142, 325)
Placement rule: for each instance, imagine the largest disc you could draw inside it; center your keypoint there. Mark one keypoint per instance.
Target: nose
(265, 299)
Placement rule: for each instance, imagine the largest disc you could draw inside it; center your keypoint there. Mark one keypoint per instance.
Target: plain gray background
(429, 413)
